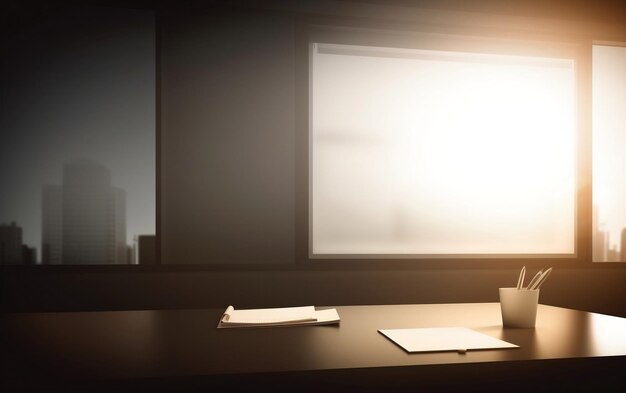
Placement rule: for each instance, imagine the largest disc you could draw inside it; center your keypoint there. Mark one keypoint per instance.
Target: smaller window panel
(609, 161)
(77, 153)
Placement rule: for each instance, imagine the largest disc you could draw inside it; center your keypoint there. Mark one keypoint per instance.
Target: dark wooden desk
(182, 349)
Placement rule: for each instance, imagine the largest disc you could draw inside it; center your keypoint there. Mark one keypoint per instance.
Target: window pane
(609, 144)
(77, 173)
(441, 153)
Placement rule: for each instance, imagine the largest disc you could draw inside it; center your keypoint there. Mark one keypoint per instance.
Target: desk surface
(183, 343)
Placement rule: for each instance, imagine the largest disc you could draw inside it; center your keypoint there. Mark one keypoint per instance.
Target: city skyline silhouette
(83, 222)
(605, 249)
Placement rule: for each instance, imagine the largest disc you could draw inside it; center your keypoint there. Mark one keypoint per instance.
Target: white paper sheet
(443, 339)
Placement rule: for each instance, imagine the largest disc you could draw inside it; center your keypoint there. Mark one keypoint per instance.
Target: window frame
(449, 44)
(581, 47)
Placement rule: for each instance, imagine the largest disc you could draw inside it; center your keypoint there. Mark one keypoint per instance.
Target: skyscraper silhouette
(84, 220)
(52, 225)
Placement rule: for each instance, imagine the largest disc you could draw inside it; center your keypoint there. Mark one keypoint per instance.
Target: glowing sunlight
(433, 152)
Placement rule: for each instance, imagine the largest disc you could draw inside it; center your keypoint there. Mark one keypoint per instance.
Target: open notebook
(288, 316)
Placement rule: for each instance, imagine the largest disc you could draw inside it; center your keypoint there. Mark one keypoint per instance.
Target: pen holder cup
(519, 307)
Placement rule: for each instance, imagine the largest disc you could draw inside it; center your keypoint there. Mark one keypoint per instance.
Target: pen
(542, 279)
(520, 280)
(534, 280)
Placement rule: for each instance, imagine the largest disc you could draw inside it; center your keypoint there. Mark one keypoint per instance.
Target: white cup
(519, 307)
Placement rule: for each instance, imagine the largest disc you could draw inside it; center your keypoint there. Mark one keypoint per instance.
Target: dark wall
(231, 191)
(227, 137)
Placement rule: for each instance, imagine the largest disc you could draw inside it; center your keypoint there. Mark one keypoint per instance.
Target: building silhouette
(10, 244)
(145, 249)
(52, 225)
(84, 219)
(29, 255)
(12, 250)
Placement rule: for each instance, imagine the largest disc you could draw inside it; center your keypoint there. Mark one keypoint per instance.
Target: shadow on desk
(571, 375)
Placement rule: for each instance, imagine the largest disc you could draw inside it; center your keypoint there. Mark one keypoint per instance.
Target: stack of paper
(288, 316)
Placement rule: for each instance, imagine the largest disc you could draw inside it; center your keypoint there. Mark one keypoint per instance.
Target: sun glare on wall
(435, 153)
